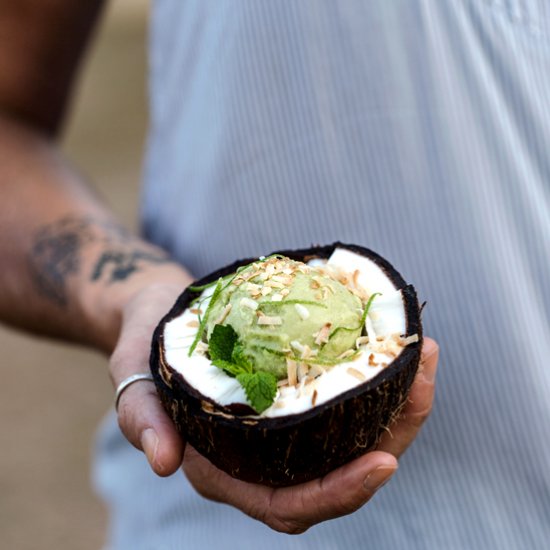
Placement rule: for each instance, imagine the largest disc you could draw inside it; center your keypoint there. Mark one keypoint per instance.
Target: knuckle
(418, 418)
(116, 361)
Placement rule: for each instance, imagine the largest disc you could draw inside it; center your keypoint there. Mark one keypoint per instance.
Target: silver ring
(128, 382)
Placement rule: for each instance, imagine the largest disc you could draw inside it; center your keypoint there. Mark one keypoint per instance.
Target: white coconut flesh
(382, 343)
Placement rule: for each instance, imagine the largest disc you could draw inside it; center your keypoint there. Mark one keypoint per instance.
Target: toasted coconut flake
(277, 298)
(354, 277)
(307, 352)
(412, 339)
(302, 311)
(253, 287)
(361, 341)
(291, 372)
(282, 383)
(201, 348)
(267, 320)
(224, 314)
(372, 362)
(279, 404)
(196, 311)
(298, 346)
(285, 292)
(302, 371)
(315, 284)
(346, 354)
(266, 290)
(274, 284)
(323, 335)
(281, 279)
(356, 374)
(314, 398)
(194, 323)
(250, 304)
(316, 370)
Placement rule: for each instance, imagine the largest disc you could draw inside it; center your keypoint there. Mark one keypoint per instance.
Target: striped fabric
(420, 129)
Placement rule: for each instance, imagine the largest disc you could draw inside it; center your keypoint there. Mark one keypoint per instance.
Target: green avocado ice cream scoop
(284, 310)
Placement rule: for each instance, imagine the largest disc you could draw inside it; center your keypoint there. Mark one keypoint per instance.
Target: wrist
(105, 305)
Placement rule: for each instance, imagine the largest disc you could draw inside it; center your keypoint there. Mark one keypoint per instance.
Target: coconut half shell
(290, 449)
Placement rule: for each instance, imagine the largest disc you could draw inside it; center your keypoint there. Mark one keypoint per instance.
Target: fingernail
(149, 443)
(378, 478)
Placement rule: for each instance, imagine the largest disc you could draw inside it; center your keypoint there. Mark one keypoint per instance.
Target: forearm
(69, 268)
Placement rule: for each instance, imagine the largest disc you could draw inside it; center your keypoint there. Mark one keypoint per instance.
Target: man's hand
(290, 510)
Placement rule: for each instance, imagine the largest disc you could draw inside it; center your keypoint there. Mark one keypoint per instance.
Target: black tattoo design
(123, 263)
(56, 255)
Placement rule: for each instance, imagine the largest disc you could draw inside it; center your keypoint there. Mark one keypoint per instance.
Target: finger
(402, 432)
(294, 509)
(141, 416)
(341, 492)
(145, 424)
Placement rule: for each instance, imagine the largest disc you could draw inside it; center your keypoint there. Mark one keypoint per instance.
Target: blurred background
(52, 396)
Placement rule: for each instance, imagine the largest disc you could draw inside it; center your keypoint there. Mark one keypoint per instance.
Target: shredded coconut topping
(247, 302)
(302, 311)
(267, 320)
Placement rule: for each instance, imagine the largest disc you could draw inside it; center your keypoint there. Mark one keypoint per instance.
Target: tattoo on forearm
(57, 253)
(121, 264)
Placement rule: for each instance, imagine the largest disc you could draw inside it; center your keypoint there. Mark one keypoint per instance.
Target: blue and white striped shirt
(418, 128)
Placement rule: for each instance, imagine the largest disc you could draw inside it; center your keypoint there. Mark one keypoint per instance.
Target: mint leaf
(239, 357)
(221, 343)
(228, 367)
(260, 388)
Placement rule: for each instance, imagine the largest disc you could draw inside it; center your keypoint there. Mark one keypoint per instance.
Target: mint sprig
(260, 388)
(228, 354)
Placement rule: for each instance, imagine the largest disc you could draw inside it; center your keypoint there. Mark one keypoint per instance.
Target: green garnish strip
(202, 325)
(363, 318)
(271, 303)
